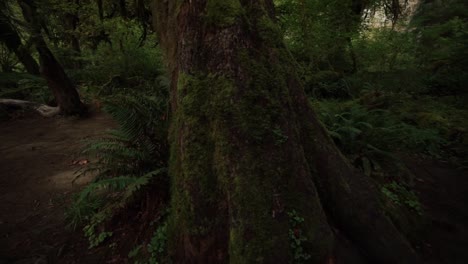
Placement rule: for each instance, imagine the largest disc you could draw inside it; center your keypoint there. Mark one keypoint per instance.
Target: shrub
(369, 137)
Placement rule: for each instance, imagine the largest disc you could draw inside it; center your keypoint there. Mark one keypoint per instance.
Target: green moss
(232, 148)
(196, 187)
(222, 13)
(270, 31)
(267, 170)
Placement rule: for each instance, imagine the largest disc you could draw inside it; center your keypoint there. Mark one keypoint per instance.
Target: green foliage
(24, 87)
(317, 32)
(297, 238)
(327, 85)
(135, 252)
(8, 62)
(339, 50)
(443, 53)
(122, 56)
(222, 12)
(370, 136)
(94, 236)
(127, 159)
(385, 50)
(139, 145)
(111, 193)
(158, 244)
(155, 251)
(400, 195)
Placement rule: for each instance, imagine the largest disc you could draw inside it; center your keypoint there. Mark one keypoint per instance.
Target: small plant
(158, 244)
(297, 238)
(400, 195)
(135, 251)
(280, 137)
(94, 236)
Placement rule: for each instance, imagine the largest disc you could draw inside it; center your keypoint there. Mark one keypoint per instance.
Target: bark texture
(252, 168)
(61, 86)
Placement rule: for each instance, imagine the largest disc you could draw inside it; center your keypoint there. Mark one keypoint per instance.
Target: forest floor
(38, 161)
(39, 158)
(443, 191)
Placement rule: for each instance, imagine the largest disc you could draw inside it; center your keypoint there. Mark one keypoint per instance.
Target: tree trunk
(9, 36)
(61, 86)
(100, 10)
(123, 8)
(71, 20)
(253, 170)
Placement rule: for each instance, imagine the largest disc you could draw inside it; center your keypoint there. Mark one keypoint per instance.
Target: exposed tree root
(43, 110)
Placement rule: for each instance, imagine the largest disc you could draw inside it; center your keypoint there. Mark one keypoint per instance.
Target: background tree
(64, 91)
(441, 29)
(9, 36)
(248, 154)
(72, 20)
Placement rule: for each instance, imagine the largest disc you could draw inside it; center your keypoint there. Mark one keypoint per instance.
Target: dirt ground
(36, 174)
(37, 170)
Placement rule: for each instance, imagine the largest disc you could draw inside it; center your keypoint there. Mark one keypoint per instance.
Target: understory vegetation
(387, 89)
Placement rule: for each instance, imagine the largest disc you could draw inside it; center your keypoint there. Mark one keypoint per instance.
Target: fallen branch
(43, 110)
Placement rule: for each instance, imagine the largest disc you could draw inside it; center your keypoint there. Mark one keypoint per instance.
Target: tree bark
(123, 8)
(100, 10)
(71, 23)
(61, 86)
(252, 168)
(10, 37)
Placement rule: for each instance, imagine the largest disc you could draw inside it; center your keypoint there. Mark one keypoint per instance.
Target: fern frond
(127, 158)
(115, 184)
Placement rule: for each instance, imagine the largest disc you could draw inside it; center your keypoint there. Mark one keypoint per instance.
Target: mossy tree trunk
(64, 91)
(252, 168)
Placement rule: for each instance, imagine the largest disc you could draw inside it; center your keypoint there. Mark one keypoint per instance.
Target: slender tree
(100, 9)
(251, 166)
(61, 86)
(9, 36)
(123, 8)
(72, 20)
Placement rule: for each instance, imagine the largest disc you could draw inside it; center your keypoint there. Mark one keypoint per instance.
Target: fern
(370, 137)
(25, 87)
(127, 184)
(127, 158)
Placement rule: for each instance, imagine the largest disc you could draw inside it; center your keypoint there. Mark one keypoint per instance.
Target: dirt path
(36, 174)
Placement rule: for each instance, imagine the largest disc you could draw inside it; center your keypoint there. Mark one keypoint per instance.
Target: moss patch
(222, 13)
